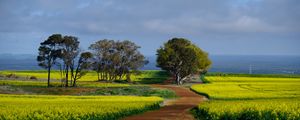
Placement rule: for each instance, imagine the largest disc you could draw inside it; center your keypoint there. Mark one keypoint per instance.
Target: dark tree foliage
(83, 64)
(182, 59)
(48, 53)
(116, 59)
(70, 50)
(63, 51)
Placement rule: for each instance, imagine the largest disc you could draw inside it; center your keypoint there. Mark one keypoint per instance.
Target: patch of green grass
(83, 88)
(136, 91)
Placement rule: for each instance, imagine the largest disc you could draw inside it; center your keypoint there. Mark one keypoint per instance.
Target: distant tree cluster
(110, 59)
(182, 59)
(116, 59)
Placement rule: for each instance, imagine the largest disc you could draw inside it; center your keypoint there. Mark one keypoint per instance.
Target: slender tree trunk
(128, 77)
(49, 69)
(101, 76)
(71, 80)
(76, 74)
(177, 78)
(67, 75)
(98, 75)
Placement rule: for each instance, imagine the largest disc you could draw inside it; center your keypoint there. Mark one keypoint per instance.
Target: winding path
(177, 109)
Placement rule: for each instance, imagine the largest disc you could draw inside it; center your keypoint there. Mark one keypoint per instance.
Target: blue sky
(226, 27)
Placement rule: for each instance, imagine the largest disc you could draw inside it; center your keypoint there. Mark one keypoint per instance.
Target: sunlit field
(24, 98)
(149, 76)
(25, 107)
(249, 98)
(19, 83)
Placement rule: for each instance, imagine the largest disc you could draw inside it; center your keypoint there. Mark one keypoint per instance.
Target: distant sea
(255, 64)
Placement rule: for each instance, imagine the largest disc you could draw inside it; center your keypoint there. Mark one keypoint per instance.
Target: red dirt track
(177, 109)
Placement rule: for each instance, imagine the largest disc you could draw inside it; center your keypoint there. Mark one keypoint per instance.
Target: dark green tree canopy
(63, 51)
(182, 59)
(116, 58)
(49, 51)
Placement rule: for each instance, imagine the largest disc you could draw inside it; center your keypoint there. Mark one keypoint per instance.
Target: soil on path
(178, 109)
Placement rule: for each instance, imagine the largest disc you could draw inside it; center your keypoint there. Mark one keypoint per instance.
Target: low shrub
(33, 78)
(12, 76)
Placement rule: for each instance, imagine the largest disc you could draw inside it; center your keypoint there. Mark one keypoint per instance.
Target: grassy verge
(136, 91)
(83, 88)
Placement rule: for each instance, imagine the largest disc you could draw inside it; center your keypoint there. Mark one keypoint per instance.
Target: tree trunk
(98, 75)
(67, 75)
(128, 77)
(72, 75)
(74, 83)
(76, 75)
(178, 80)
(49, 69)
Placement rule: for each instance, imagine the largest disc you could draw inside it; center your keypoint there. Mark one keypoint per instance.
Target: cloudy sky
(226, 27)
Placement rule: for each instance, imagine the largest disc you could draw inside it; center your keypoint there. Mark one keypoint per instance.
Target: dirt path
(177, 109)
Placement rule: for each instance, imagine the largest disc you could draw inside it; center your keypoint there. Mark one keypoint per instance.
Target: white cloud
(247, 24)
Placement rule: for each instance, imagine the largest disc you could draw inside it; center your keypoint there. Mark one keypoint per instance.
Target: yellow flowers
(255, 109)
(42, 84)
(73, 107)
(90, 76)
(250, 98)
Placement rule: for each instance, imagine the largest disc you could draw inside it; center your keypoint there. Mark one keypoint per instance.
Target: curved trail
(177, 109)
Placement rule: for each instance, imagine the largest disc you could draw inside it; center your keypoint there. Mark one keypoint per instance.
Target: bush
(33, 78)
(11, 76)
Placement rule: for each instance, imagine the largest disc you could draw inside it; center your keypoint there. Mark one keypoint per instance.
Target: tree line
(110, 59)
(117, 60)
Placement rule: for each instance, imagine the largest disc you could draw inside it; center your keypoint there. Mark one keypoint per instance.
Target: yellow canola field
(73, 107)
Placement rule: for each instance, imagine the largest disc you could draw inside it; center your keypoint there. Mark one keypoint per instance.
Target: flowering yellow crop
(73, 107)
(250, 98)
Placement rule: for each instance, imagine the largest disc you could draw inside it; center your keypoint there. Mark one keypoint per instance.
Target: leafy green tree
(130, 59)
(70, 51)
(182, 59)
(115, 59)
(48, 53)
(102, 51)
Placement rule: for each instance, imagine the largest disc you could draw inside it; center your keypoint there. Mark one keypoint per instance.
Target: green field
(26, 107)
(149, 76)
(233, 97)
